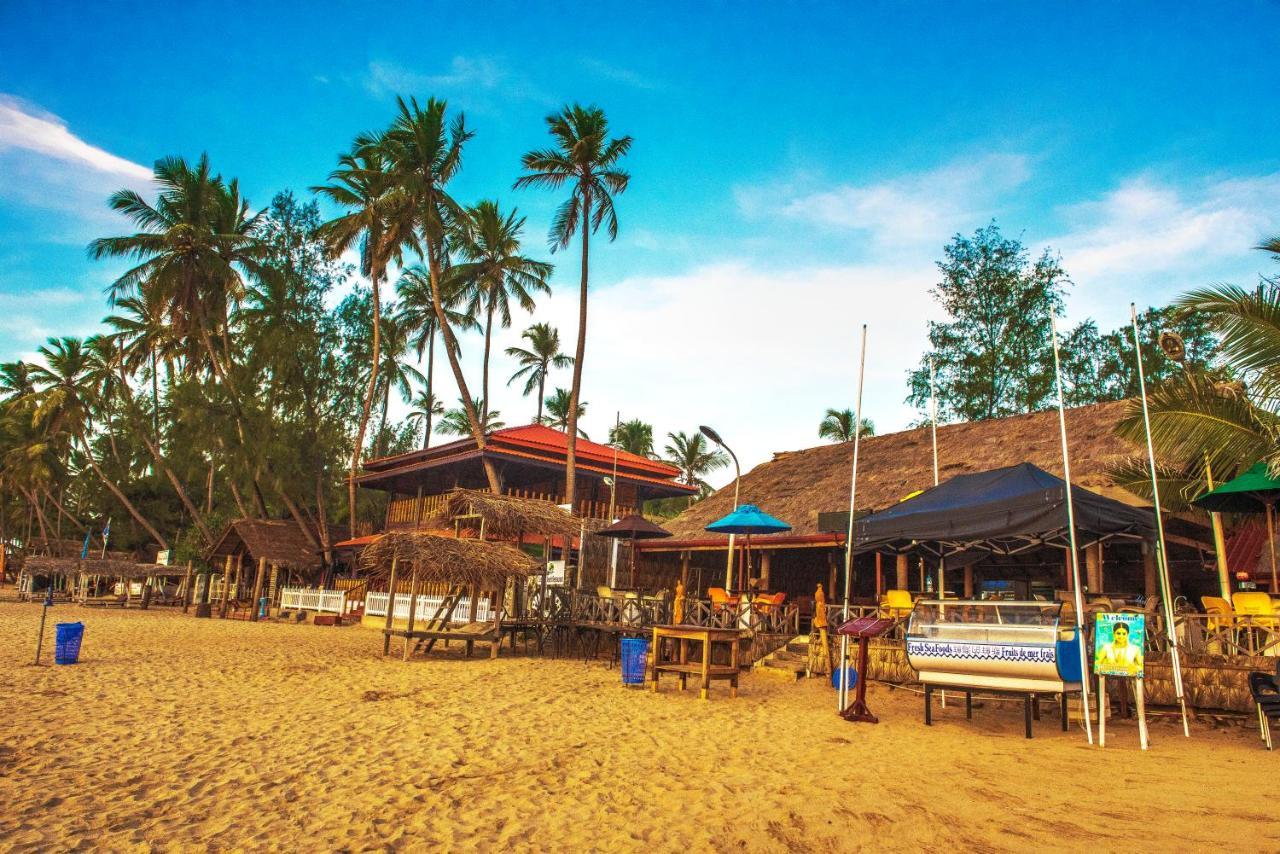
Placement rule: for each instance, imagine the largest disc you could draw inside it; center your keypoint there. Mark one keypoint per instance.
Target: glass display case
(999, 645)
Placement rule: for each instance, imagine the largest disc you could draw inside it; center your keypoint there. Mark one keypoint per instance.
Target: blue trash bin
(67, 646)
(852, 677)
(635, 655)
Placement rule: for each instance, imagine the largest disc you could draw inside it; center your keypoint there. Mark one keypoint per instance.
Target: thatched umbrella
(506, 517)
(633, 527)
(438, 558)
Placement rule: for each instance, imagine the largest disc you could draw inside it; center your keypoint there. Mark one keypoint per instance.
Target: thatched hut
(467, 570)
(249, 556)
(810, 490)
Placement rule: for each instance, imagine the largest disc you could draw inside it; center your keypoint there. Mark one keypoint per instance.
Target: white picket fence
(375, 604)
(313, 599)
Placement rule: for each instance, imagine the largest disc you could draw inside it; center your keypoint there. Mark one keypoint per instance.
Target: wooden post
(901, 567)
(391, 610)
(226, 583)
(1151, 582)
(1104, 706)
(1092, 567)
(922, 576)
(968, 582)
(766, 559)
(831, 567)
(275, 578)
(257, 588)
(186, 589)
(684, 568)
(879, 576)
(473, 597)
(413, 609)
(1140, 701)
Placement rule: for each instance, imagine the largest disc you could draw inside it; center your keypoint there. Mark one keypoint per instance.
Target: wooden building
(810, 490)
(531, 462)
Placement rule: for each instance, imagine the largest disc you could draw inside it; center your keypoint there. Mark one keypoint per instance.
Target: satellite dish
(1173, 346)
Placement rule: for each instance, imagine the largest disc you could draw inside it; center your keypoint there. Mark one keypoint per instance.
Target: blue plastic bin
(852, 677)
(635, 656)
(67, 646)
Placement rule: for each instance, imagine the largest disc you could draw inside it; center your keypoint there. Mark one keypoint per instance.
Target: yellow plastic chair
(897, 603)
(604, 591)
(1256, 605)
(721, 600)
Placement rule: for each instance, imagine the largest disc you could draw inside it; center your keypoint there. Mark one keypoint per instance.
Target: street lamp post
(737, 478)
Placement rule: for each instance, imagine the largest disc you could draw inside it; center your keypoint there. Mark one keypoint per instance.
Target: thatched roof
(280, 541)
(796, 486)
(108, 568)
(44, 565)
(446, 559)
(507, 517)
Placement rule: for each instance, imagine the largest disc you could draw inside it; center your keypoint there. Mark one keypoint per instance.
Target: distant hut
(247, 549)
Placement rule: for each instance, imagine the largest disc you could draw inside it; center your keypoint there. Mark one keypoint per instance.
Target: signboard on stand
(1118, 644)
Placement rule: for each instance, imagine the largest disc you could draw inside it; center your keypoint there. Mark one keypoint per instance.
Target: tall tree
(992, 355)
(396, 372)
(495, 273)
(695, 458)
(837, 425)
(418, 313)
(536, 362)
(374, 221)
(557, 414)
(634, 437)
(456, 422)
(585, 159)
(425, 408)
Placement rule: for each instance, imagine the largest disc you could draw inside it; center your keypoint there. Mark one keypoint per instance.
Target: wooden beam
(901, 568)
(257, 588)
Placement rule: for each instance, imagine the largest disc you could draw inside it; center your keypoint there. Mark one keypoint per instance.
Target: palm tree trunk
(542, 391)
(571, 444)
(451, 350)
(381, 443)
(431, 365)
(484, 371)
(44, 533)
(367, 407)
(63, 512)
(120, 496)
(155, 397)
(235, 495)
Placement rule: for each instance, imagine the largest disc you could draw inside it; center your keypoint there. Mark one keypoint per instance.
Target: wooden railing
(583, 608)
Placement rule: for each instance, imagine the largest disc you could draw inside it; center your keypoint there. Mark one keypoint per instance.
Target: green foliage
(634, 436)
(837, 426)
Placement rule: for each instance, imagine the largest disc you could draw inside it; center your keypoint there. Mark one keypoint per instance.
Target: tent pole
(1219, 540)
(1271, 541)
(842, 695)
(1071, 530)
(933, 425)
(1162, 553)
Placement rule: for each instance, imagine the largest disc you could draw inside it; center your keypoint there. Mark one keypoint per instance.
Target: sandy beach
(182, 734)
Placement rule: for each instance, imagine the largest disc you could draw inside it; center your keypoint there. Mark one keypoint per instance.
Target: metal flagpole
(1162, 561)
(613, 504)
(842, 696)
(1071, 529)
(106, 532)
(933, 421)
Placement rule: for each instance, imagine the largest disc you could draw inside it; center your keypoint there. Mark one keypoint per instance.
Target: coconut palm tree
(634, 437)
(142, 330)
(425, 407)
(690, 453)
(375, 221)
(586, 160)
(557, 414)
(396, 372)
(837, 425)
(456, 422)
(63, 405)
(495, 273)
(537, 361)
(425, 149)
(418, 314)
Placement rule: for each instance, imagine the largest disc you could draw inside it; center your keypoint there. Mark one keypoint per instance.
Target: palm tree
(425, 407)
(363, 185)
(425, 149)
(457, 422)
(142, 329)
(586, 159)
(837, 425)
(418, 314)
(690, 453)
(537, 361)
(557, 414)
(63, 404)
(495, 273)
(395, 370)
(634, 437)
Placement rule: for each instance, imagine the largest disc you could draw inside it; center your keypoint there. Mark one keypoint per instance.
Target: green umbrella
(1255, 491)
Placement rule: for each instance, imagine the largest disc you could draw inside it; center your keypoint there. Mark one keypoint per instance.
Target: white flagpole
(933, 421)
(1071, 528)
(1162, 562)
(842, 696)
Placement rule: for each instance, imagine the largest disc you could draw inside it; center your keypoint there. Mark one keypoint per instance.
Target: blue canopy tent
(747, 519)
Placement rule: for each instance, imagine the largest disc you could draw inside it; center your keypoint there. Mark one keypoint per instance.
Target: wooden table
(703, 669)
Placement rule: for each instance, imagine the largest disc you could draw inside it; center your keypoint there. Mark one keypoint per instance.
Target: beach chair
(1265, 688)
(721, 600)
(1257, 617)
(767, 603)
(896, 603)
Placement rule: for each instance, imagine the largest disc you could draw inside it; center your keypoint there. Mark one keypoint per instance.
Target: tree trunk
(63, 511)
(431, 365)
(451, 350)
(44, 533)
(208, 503)
(571, 444)
(380, 444)
(235, 494)
(120, 496)
(155, 397)
(484, 375)
(542, 391)
(326, 538)
(367, 408)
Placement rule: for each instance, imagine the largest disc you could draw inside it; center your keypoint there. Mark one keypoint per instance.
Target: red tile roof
(547, 439)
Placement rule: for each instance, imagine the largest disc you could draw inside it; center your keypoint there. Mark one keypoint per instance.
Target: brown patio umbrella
(634, 527)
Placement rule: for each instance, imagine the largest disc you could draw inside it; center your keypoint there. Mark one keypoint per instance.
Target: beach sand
(179, 734)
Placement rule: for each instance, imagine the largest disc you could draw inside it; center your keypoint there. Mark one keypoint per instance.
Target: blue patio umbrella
(747, 519)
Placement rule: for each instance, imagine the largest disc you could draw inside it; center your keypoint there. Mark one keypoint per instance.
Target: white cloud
(468, 78)
(916, 209)
(23, 126)
(618, 74)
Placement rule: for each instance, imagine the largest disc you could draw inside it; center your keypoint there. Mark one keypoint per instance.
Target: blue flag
(84, 552)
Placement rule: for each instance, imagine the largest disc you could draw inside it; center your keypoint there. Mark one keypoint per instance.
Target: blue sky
(796, 172)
